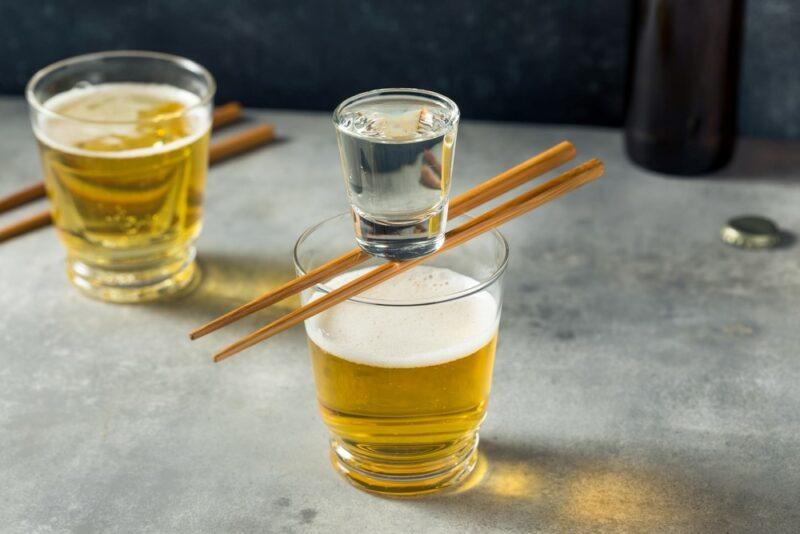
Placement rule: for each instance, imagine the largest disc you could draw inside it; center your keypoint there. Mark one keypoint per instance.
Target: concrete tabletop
(647, 375)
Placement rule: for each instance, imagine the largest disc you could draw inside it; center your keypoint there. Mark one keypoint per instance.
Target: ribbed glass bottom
(174, 275)
(403, 470)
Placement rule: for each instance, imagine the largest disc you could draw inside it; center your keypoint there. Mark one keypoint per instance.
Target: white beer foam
(111, 105)
(407, 336)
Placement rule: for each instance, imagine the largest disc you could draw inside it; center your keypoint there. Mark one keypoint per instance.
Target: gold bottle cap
(751, 231)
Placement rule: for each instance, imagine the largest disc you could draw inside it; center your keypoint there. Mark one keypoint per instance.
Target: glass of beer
(123, 138)
(396, 148)
(403, 371)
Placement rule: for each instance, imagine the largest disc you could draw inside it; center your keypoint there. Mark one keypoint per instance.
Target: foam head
(407, 336)
(122, 120)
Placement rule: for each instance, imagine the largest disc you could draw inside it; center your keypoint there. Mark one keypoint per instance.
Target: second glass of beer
(123, 138)
(403, 371)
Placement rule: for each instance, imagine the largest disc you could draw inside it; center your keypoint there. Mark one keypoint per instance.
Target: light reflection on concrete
(625, 499)
(228, 281)
(236, 280)
(515, 480)
(563, 493)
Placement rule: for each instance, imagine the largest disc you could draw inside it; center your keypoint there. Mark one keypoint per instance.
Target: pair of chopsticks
(230, 146)
(500, 184)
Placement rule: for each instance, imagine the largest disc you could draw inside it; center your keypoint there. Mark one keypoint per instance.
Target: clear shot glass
(396, 148)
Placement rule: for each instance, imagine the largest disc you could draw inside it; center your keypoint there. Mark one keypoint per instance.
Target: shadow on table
(787, 239)
(229, 281)
(757, 160)
(516, 488)
(769, 160)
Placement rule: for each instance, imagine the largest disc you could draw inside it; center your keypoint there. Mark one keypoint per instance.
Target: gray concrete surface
(647, 378)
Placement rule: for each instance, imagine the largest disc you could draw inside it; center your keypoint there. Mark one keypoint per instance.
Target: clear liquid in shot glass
(397, 160)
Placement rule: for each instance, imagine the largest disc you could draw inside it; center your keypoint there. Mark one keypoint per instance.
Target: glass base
(405, 471)
(401, 250)
(136, 283)
(400, 240)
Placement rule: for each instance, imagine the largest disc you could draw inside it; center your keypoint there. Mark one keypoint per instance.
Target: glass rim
(455, 113)
(188, 64)
(480, 286)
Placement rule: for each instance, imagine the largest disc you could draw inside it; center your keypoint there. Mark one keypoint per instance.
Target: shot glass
(403, 371)
(396, 148)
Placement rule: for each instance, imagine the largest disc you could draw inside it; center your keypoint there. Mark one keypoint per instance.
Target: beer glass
(123, 138)
(403, 371)
(396, 148)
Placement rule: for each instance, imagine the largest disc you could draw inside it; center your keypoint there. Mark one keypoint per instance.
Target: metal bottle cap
(751, 231)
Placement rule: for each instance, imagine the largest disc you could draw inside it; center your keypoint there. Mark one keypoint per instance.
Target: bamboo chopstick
(564, 183)
(23, 196)
(226, 114)
(488, 190)
(241, 142)
(226, 148)
(223, 116)
(26, 225)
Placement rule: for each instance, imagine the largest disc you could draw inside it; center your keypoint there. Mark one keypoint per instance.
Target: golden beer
(125, 166)
(413, 406)
(404, 389)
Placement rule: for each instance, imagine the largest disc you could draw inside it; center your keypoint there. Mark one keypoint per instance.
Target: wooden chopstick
(23, 196)
(536, 166)
(223, 116)
(26, 225)
(233, 145)
(564, 183)
(226, 114)
(241, 142)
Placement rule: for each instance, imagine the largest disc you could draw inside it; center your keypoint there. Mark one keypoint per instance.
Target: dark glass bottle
(682, 85)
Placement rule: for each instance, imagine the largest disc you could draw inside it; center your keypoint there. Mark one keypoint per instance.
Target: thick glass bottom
(404, 471)
(401, 240)
(131, 282)
(401, 250)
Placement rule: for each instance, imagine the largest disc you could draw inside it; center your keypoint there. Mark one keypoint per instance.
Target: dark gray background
(531, 60)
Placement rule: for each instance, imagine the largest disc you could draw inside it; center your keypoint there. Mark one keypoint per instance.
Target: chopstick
(26, 225)
(23, 196)
(226, 114)
(561, 185)
(488, 190)
(241, 142)
(233, 145)
(223, 116)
